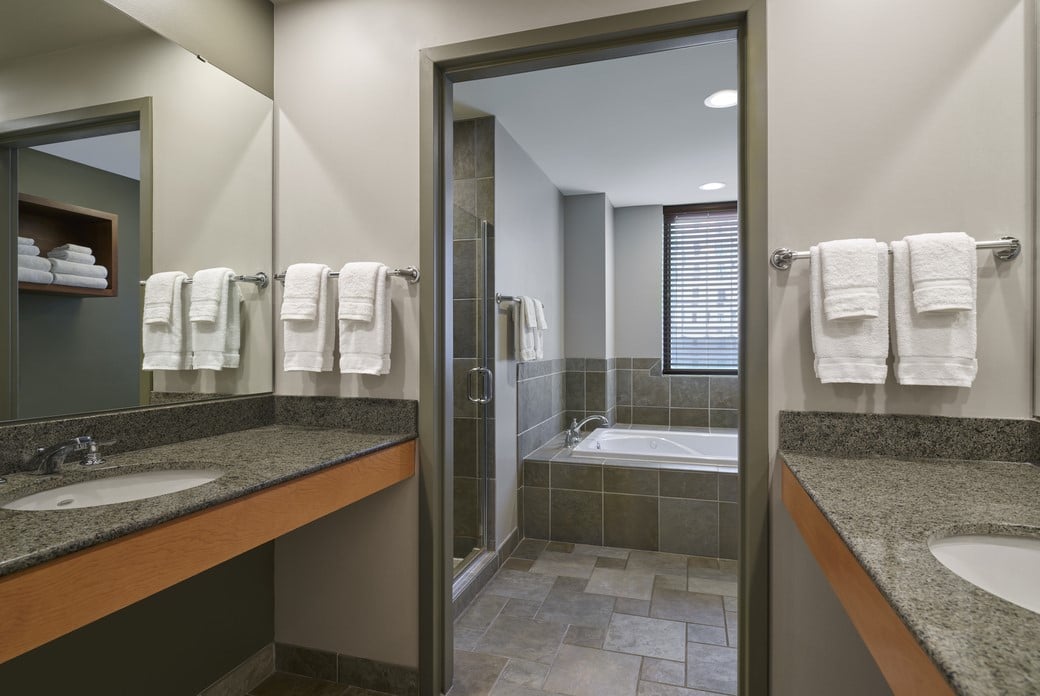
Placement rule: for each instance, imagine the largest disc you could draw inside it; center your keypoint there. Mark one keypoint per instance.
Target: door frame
(568, 44)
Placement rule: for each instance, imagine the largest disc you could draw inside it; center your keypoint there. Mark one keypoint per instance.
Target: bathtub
(668, 449)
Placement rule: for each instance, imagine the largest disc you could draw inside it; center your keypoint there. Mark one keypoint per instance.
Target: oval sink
(1007, 566)
(115, 489)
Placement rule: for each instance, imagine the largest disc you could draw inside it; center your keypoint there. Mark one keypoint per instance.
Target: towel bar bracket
(1005, 249)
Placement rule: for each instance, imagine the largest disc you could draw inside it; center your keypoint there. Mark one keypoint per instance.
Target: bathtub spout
(574, 432)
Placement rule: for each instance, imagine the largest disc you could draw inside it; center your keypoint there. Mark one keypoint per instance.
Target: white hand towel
(365, 345)
(71, 256)
(849, 350)
(80, 269)
(530, 312)
(36, 263)
(26, 241)
(309, 342)
(539, 329)
(28, 250)
(215, 341)
(932, 348)
(526, 348)
(942, 270)
(208, 292)
(850, 279)
(166, 343)
(74, 248)
(358, 283)
(80, 281)
(33, 275)
(303, 283)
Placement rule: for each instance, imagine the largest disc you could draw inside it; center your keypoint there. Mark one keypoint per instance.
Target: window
(701, 288)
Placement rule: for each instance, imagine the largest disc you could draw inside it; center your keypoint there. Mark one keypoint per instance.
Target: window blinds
(701, 288)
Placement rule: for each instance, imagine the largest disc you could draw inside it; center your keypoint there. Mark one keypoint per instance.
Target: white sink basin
(115, 489)
(1007, 566)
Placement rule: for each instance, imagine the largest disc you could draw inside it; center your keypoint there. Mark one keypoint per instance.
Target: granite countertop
(253, 460)
(886, 509)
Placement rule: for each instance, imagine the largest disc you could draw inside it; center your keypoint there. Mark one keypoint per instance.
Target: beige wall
(212, 168)
(638, 259)
(588, 223)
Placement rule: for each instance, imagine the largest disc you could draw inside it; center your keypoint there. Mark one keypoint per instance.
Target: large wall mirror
(117, 139)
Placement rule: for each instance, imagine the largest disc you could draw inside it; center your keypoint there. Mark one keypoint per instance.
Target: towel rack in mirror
(1005, 249)
(409, 272)
(260, 279)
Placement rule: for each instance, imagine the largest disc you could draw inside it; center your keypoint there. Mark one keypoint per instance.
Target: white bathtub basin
(115, 489)
(1007, 566)
(664, 445)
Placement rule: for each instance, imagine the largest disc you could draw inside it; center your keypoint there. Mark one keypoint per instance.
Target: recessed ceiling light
(712, 186)
(723, 99)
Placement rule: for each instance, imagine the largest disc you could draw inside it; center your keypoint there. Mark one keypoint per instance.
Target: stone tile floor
(283, 684)
(595, 621)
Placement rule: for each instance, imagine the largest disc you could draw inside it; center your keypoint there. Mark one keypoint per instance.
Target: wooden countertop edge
(903, 662)
(54, 598)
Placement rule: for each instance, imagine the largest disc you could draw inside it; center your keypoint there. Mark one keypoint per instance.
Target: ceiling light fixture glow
(723, 99)
(712, 186)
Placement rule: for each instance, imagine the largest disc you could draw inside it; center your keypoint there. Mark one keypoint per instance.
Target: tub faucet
(47, 460)
(574, 432)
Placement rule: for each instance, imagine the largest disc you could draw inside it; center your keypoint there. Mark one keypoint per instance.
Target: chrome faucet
(574, 432)
(48, 460)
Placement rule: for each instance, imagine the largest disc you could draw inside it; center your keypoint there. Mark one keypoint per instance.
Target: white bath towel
(357, 290)
(931, 348)
(850, 278)
(309, 342)
(28, 250)
(37, 263)
(79, 281)
(33, 275)
(303, 283)
(74, 248)
(80, 269)
(526, 336)
(73, 256)
(942, 270)
(364, 346)
(165, 337)
(215, 341)
(539, 330)
(26, 241)
(849, 350)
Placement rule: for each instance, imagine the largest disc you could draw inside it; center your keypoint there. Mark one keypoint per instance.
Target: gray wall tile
(462, 151)
(595, 391)
(650, 416)
(729, 530)
(690, 527)
(701, 485)
(536, 512)
(728, 487)
(724, 391)
(465, 445)
(630, 521)
(582, 477)
(689, 417)
(576, 516)
(689, 391)
(536, 473)
(648, 390)
(633, 481)
(723, 418)
(464, 328)
(465, 270)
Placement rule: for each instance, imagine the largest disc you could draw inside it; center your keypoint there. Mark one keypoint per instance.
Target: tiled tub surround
(539, 404)
(617, 502)
(873, 500)
(633, 390)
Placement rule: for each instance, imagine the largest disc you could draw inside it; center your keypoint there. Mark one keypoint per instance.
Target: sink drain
(66, 501)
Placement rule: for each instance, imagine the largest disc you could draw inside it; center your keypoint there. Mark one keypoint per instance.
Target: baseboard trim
(246, 676)
(347, 669)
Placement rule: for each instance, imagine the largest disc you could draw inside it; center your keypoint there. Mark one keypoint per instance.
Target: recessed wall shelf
(53, 223)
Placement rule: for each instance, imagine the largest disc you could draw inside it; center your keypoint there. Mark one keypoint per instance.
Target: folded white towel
(849, 350)
(309, 342)
(365, 345)
(73, 256)
(215, 317)
(166, 343)
(942, 270)
(35, 262)
(358, 283)
(526, 339)
(80, 269)
(28, 250)
(33, 275)
(933, 348)
(74, 248)
(80, 281)
(539, 330)
(850, 279)
(303, 283)
(26, 241)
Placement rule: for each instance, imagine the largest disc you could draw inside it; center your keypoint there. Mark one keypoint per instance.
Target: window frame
(669, 213)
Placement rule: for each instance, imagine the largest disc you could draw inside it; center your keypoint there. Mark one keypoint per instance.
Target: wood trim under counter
(47, 601)
(906, 667)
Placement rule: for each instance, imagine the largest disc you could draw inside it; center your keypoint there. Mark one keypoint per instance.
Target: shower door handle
(487, 391)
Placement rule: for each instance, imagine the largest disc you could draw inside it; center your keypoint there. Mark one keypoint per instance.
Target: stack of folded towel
(364, 319)
(216, 320)
(75, 265)
(32, 268)
(307, 315)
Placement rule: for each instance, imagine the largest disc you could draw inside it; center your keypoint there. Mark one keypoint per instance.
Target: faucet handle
(92, 457)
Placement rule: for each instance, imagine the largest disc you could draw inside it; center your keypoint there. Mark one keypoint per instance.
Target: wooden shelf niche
(53, 223)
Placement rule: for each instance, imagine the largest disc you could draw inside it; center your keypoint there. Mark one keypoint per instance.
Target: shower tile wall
(539, 413)
(591, 388)
(474, 193)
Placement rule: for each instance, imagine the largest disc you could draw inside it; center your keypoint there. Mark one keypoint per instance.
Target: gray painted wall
(80, 354)
(588, 244)
(638, 240)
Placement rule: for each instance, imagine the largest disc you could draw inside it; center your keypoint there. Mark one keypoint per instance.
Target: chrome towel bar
(1005, 249)
(260, 279)
(409, 272)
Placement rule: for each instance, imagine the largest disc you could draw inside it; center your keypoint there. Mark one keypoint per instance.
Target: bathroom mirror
(197, 178)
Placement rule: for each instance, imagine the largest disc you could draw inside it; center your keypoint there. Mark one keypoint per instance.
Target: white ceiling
(119, 153)
(634, 128)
